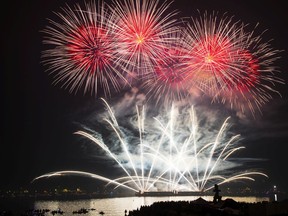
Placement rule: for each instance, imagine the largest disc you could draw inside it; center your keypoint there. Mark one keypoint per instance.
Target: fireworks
(172, 152)
(139, 43)
(230, 64)
(143, 29)
(167, 79)
(83, 50)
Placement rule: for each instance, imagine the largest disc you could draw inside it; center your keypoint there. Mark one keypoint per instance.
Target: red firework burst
(93, 47)
(142, 29)
(229, 64)
(168, 69)
(83, 50)
(169, 80)
(87, 48)
(248, 76)
(213, 46)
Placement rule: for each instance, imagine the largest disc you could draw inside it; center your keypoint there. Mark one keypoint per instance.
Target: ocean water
(109, 206)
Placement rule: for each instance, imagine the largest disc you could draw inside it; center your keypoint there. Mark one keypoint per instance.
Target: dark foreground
(200, 207)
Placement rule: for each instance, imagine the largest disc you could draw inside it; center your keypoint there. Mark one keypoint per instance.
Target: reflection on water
(248, 199)
(117, 206)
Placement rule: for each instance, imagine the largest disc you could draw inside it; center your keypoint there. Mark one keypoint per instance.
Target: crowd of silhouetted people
(200, 207)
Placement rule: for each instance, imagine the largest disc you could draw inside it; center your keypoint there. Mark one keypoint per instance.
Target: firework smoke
(173, 151)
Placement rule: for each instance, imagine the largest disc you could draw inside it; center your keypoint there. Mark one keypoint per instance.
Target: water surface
(117, 206)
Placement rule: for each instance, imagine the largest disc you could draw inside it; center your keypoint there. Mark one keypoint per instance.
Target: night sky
(38, 119)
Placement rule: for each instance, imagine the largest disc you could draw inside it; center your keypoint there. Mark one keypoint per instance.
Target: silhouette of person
(217, 197)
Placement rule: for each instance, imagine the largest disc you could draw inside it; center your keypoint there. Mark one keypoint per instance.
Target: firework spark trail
(244, 176)
(216, 142)
(193, 132)
(141, 130)
(220, 157)
(170, 166)
(81, 173)
(155, 157)
(104, 147)
(82, 50)
(191, 139)
(177, 159)
(125, 146)
(168, 131)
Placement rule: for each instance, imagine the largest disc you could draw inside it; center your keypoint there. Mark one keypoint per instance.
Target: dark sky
(37, 126)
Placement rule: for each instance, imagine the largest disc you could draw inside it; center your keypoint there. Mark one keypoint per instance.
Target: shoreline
(62, 197)
(201, 207)
(197, 207)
